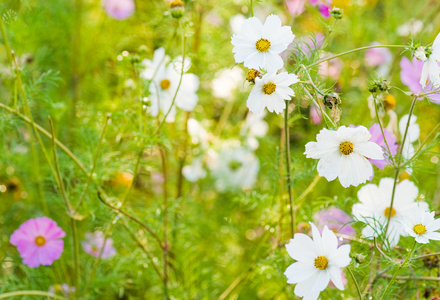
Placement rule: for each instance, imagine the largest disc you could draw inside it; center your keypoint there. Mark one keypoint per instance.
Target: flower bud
(379, 85)
(336, 13)
(420, 54)
(332, 100)
(252, 74)
(177, 8)
(360, 258)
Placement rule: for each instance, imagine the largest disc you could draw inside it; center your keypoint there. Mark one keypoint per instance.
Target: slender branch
(289, 179)
(426, 255)
(119, 210)
(302, 197)
(381, 128)
(326, 117)
(381, 252)
(352, 51)
(165, 223)
(95, 159)
(31, 293)
(419, 278)
(355, 283)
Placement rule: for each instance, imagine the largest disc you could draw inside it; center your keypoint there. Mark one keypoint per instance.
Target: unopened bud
(336, 13)
(332, 100)
(378, 86)
(252, 74)
(177, 8)
(420, 54)
(359, 258)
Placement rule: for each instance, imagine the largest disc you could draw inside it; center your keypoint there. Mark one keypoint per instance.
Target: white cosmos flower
(431, 67)
(226, 82)
(194, 171)
(271, 91)
(234, 167)
(374, 208)
(164, 83)
(253, 127)
(343, 153)
(318, 261)
(258, 46)
(421, 225)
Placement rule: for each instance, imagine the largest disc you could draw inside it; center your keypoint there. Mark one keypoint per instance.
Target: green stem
(398, 270)
(381, 128)
(289, 179)
(95, 159)
(355, 283)
(31, 293)
(352, 51)
(252, 8)
(165, 224)
(77, 273)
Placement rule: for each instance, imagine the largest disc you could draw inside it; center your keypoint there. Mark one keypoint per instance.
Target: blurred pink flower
(38, 241)
(119, 9)
(295, 7)
(331, 68)
(410, 75)
(336, 220)
(315, 114)
(94, 243)
(324, 10)
(377, 56)
(377, 137)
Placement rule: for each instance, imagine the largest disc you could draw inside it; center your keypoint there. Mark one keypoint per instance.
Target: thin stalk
(398, 270)
(77, 273)
(381, 128)
(352, 51)
(119, 210)
(252, 8)
(396, 175)
(302, 197)
(95, 159)
(289, 179)
(31, 293)
(419, 278)
(326, 117)
(223, 118)
(355, 283)
(165, 224)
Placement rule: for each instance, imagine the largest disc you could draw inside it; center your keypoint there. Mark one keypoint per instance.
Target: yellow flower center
(346, 148)
(176, 3)
(387, 212)
(262, 45)
(40, 241)
(94, 249)
(419, 229)
(321, 262)
(269, 88)
(165, 84)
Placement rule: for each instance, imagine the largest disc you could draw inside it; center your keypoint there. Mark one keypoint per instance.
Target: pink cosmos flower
(315, 114)
(377, 137)
(94, 243)
(375, 57)
(324, 10)
(410, 74)
(331, 68)
(119, 9)
(295, 7)
(336, 220)
(38, 241)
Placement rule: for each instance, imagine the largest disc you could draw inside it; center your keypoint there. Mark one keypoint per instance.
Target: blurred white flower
(63, 289)
(259, 45)
(319, 260)
(431, 67)
(235, 22)
(234, 167)
(198, 134)
(343, 154)
(271, 91)
(374, 208)
(253, 127)
(226, 81)
(412, 135)
(164, 83)
(411, 27)
(194, 171)
(421, 225)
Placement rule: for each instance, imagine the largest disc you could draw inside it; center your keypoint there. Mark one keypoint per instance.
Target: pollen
(262, 45)
(419, 229)
(321, 262)
(40, 241)
(346, 148)
(269, 88)
(386, 212)
(165, 84)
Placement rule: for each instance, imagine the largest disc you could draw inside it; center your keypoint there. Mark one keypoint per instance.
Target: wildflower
(336, 220)
(38, 241)
(252, 74)
(378, 138)
(379, 57)
(235, 167)
(164, 83)
(259, 45)
(63, 289)
(421, 225)
(271, 91)
(226, 82)
(343, 154)
(295, 7)
(119, 9)
(253, 127)
(319, 260)
(194, 171)
(374, 208)
(412, 27)
(198, 134)
(410, 74)
(430, 65)
(94, 243)
(177, 8)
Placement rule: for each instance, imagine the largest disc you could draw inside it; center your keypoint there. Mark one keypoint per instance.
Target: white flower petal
(369, 150)
(299, 271)
(302, 248)
(329, 166)
(341, 257)
(336, 277)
